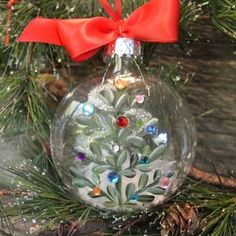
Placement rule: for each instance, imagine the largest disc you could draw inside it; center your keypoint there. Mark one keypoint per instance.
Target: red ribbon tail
(10, 4)
(41, 30)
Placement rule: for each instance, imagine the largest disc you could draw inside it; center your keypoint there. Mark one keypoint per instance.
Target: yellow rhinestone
(121, 84)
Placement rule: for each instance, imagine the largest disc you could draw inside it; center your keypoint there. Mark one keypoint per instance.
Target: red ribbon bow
(155, 21)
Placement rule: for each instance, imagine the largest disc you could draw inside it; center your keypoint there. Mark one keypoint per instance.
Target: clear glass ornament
(126, 142)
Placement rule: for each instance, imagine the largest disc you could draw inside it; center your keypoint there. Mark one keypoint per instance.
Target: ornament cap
(124, 46)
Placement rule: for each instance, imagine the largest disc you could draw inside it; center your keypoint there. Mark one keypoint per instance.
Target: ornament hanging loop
(115, 14)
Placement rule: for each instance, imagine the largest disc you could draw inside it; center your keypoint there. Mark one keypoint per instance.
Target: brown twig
(212, 178)
(4, 192)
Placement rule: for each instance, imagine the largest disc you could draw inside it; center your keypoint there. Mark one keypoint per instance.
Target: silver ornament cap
(124, 46)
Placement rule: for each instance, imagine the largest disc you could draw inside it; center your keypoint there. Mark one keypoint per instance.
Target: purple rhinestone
(80, 156)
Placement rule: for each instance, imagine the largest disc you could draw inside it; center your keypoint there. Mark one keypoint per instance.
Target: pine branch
(190, 13)
(5, 223)
(23, 106)
(224, 16)
(47, 199)
(38, 151)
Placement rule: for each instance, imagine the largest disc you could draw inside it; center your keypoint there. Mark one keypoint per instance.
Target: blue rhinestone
(88, 109)
(133, 198)
(113, 177)
(151, 130)
(144, 160)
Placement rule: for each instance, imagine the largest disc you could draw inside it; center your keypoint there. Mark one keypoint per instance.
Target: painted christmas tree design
(119, 150)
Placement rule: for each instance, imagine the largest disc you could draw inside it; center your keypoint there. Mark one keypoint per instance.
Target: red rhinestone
(122, 122)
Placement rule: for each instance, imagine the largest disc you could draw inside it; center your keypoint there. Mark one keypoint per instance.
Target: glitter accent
(139, 114)
(94, 97)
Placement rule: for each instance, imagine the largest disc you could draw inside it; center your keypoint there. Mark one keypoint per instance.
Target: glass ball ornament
(124, 142)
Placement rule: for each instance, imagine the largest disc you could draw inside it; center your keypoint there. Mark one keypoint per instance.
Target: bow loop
(155, 21)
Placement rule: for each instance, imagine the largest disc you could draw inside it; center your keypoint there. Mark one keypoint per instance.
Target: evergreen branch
(190, 12)
(47, 200)
(39, 153)
(23, 106)
(5, 222)
(224, 16)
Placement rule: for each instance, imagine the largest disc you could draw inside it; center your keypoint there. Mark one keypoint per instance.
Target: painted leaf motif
(108, 94)
(104, 100)
(136, 141)
(145, 167)
(83, 120)
(98, 120)
(145, 198)
(129, 173)
(95, 148)
(130, 189)
(96, 179)
(146, 150)
(111, 160)
(112, 192)
(110, 120)
(157, 175)
(121, 101)
(100, 169)
(129, 205)
(107, 147)
(75, 172)
(156, 190)
(143, 180)
(134, 160)
(82, 183)
(157, 152)
(110, 204)
(124, 133)
(124, 155)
